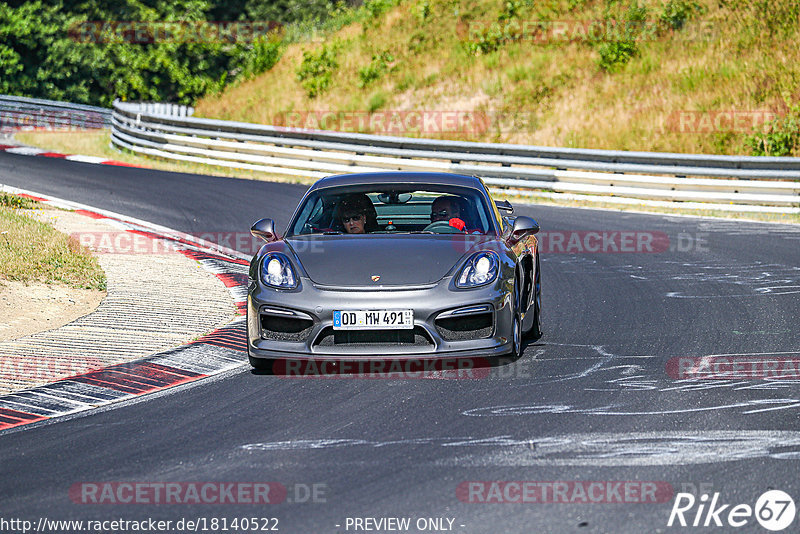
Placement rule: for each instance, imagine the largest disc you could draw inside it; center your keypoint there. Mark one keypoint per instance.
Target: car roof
(423, 178)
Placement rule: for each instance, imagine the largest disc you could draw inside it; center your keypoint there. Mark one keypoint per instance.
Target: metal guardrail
(171, 132)
(22, 113)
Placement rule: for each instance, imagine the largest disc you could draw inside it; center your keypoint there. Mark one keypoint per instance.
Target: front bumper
(311, 307)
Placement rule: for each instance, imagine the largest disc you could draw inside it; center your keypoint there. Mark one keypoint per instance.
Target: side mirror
(504, 205)
(522, 227)
(265, 229)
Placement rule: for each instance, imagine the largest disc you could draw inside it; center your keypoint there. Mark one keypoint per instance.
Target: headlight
(277, 271)
(480, 269)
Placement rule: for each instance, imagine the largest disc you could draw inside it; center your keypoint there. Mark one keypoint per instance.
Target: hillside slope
(712, 76)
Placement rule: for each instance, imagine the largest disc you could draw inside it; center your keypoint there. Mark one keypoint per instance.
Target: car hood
(352, 260)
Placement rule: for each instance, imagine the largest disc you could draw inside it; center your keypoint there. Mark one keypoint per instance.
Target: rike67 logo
(774, 510)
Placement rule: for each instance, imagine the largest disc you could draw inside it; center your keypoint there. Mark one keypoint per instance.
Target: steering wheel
(441, 227)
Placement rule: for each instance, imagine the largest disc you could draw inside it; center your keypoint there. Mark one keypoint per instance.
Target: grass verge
(32, 251)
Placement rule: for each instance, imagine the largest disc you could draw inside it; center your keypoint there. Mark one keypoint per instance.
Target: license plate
(373, 319)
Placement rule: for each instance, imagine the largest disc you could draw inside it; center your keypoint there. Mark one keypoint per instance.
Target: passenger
(451, 209)
(357, 214)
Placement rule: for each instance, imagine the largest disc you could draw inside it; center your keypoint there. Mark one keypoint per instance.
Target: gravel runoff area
(157, 298)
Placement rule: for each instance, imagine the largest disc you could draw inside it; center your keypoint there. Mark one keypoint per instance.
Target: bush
(781, 138)
(616, 54)
(315, 71)
(677, 12)
(379, 66)
(486, 40)
(514, 8)
(49, 50)
(376, 8)
(636, 14)
(264, 54)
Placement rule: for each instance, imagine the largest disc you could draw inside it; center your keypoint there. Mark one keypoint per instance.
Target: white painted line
(168, 232)
(26, 150)
(14, 403)
(69, 396)
(86, 159)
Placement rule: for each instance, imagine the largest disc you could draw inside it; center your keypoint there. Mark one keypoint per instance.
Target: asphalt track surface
(592, 400)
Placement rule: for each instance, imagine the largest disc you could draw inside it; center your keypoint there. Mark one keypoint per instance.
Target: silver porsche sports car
(394, 265)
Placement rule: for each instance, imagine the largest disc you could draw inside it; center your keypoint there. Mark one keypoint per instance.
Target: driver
(357, 214)
(451, 209)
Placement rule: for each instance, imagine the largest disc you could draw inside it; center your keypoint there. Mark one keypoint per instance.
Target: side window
(312, 210)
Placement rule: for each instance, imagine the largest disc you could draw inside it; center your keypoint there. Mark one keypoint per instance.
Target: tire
(516, 326)
(536, 328)
(516, 338)
(260, 364)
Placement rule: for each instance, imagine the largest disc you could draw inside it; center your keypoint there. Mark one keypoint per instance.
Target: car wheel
(260, 364)
(536, 328)
(516, 327)
(516, 349)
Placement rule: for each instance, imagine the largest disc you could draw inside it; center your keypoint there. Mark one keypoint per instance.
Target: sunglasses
(347, 219)
(440, 213)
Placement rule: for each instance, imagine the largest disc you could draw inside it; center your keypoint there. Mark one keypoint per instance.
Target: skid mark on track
(598, 449)
(604, 357)
(747, 279)
(331, 443)
(754, 406)
(650, 388)
(642, 449)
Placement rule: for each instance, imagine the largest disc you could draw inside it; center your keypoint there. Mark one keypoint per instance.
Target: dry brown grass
(569, 99)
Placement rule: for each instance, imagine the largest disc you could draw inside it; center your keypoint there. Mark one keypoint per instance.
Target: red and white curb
(215, 353)
(33, 151)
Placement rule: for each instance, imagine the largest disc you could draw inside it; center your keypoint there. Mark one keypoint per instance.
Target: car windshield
(393, 210)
